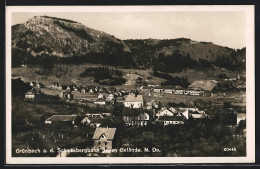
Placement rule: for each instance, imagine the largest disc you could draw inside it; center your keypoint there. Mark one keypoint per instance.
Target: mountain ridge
(71, 41)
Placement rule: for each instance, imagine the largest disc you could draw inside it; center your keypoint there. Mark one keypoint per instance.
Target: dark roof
(109, 133)
(62, 118)
(171, 118)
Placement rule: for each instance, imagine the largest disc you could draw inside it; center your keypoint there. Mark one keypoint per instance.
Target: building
(96, 122)
(168, 89)
(39, 85)
(33, 94)
(158, 89)
(241, 116)
(171, 120)
(54, 85)
(134, 101)
(145, 90)
(66, 95)
(103, 138)
(164, 112)
(110, 97)
(178, 90)
(194, 91)
(141, 120)
(100, 101)
(32, 84)
(62, 119)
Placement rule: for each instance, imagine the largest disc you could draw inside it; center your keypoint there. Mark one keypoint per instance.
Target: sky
(221, 27)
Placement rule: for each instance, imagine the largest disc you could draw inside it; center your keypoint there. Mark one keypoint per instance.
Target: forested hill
(178, 54)
(44, 39)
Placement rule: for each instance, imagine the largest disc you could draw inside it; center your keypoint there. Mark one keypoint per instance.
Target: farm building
(134, 101)
(103, 138)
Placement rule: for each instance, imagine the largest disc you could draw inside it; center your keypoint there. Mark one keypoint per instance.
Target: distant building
(134, 101)
(241, 116)
(54, 85)
(100, 101)
(158, 89)
(39, 85)
(178, 90)
(103, 138)
(32, 84)
(194, 91)
(141, 120)
(171, 120)
(145, 90)
(168, 89)
(66, 95)
(62, 119)
(110, 97)
(164, 112)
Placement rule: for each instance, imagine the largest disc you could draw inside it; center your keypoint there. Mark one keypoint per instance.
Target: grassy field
(69, 74)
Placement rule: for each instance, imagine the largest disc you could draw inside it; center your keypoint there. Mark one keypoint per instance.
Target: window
(106, 143)
(99, 143)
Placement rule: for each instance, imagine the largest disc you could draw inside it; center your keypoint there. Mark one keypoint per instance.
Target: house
(152, 105)
(134, 101)
(144, 90)
(140, 120)
(103, 138)
(164, 112)
(69, 88)
(66, 95)
(194, 91)
(62, 120)
(83, 90)
(100, 101)
(168, 89)
(178, 90)
(171, 120)
(32, 94)
(241, 116)
(110, 97)
(62, 87)
(39, 85)
(33, 84)
(101, 96)
(96, 121)
(197, 115)
(172, 109)
(54, 85)
(158, 89)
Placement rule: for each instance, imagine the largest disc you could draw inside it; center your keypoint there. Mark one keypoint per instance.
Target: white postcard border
(250, 86)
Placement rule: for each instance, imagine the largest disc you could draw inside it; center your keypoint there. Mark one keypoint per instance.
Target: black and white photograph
(130, 84)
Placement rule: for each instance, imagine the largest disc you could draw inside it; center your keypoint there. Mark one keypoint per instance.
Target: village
(130, 120)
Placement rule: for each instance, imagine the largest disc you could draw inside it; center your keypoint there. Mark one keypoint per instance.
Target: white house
(171, 120)
(110, 97)
(100, 101)
(134, 101)
(164, 112)
(141, 120)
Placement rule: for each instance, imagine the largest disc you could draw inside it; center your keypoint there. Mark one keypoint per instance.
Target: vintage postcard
(130, 84)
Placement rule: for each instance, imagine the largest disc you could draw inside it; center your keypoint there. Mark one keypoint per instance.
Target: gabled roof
(109, 133)
(62, 118)
(133, 98)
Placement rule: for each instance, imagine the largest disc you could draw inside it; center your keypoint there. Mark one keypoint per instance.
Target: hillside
(44, 39)
(43, 35)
